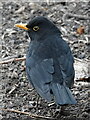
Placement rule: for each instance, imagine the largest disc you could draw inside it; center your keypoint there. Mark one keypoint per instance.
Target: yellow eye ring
(35, 28)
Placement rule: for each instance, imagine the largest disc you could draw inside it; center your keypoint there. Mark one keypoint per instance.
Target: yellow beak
(23, 26)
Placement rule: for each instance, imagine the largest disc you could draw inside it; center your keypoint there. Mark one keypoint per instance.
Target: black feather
(49, 62)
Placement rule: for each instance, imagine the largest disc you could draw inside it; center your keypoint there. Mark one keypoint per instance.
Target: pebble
(85, 114)
(14, 75)
(82, 55)
(77, 93)
(22, 84)
(75, 45)
(1, 117)
(32, 11)
(20, 10)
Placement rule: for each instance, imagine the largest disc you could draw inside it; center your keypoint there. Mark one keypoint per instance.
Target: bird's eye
(35, 28)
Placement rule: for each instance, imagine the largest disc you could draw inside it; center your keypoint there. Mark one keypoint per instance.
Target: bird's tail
(62, 94)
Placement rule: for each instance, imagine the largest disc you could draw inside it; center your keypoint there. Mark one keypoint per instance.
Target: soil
(16, 92)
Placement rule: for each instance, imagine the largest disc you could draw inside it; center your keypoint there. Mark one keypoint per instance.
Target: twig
(26, 113)
(87, 79)
(75, 15)
(12, 60)
(80, 60)
(9, 57)
(13, 89)
(24, 58)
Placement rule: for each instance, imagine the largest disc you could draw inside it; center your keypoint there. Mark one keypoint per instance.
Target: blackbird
(49, 61)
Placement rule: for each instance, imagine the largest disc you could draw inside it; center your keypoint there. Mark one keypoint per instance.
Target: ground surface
(15, 91)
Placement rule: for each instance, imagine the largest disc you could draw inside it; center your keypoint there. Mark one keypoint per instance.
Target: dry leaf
(80, 30)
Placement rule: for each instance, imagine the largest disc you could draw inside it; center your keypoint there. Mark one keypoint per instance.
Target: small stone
(20, 10)
(59, 21)
(82, 55)
(32, 11)
(32, 103)
(22, 84)
(1, 117)
(14, 75)
(85, 114)
(50, 104)
(77, 93)
(23, 63)
(10, 69)
(75, 45)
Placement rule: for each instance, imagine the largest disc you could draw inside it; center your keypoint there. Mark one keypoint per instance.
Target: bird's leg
(37, 101)
(63, 111)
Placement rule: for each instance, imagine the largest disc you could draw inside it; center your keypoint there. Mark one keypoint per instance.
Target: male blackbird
(49, 61)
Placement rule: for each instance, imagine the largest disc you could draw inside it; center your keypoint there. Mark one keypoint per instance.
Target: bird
(49, 61)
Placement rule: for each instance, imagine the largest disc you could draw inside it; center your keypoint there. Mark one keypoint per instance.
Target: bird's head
(39, 27)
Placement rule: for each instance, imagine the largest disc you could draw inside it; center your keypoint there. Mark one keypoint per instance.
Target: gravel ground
(15, 91)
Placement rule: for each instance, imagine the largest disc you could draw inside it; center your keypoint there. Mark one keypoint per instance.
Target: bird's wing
(66, 65)
(65, 61)
(61, 84)
(40, 75)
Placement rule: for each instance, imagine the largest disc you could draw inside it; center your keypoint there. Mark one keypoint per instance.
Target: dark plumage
(49, 62)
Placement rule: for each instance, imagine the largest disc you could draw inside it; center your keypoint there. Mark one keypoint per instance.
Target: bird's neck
(47, 35)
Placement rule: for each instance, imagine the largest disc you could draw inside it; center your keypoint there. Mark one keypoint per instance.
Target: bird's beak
(23, 26)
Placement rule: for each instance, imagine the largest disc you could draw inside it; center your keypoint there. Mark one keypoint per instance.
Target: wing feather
(41, 76)
(66, 64)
